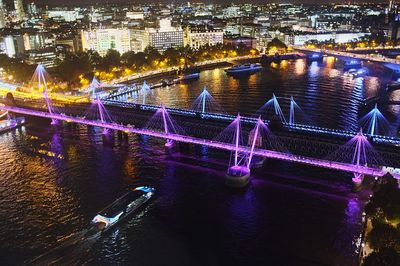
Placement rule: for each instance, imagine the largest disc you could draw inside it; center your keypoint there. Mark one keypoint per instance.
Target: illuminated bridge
(352, 55)
(242, 154)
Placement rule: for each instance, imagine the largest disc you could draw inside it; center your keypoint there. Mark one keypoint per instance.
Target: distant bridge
(366, 57)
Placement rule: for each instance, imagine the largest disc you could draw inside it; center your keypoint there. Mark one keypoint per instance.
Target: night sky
(86, 2)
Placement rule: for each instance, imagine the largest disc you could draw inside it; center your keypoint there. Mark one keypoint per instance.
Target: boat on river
(315, 57)
(11, 123)
(122, 208)
(116, 212)
(358, 73)
(246, 69)
(189, 74)
(352, 64)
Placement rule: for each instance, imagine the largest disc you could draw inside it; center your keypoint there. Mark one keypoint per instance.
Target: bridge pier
(169, 144)
(237, 176)
(54, 122)
(357, 179)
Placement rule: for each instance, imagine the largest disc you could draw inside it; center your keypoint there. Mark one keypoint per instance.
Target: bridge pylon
(203, 99)
(238, 175)
(49, 107)
(93, 86)
(255, 134)
(359, 156)
(39, 77)
(374, 120)
(102, 112)
(169, 143)
(291, 114)
(277, 108)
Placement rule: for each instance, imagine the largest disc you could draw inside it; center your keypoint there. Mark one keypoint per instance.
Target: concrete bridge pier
(170, 147)
(237, 176)
(357, 179)
(170, 144)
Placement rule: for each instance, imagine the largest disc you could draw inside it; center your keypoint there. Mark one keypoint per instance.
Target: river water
(53, 180)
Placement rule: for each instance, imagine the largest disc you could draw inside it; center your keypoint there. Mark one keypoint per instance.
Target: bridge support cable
(291, 113)
(375, 123)
(102, 112)
(359, 156)
(49, 106)
(374, 120)
(255, 136)
(169, 143)
(237, 139)
(162, 122)
(91, 90)
(278, 110)
(205, 103)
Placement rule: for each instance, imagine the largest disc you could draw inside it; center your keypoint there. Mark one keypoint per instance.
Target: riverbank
(380, 234)
(136, 78)
(165, 72)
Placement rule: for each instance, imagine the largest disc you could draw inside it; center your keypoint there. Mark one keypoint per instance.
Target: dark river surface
(54, 179)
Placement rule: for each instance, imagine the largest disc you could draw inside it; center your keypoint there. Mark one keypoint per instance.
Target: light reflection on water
(288, 214)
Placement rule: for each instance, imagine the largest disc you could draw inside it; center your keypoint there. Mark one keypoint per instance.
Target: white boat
(243, 69)
(11, 123)
(122, 207)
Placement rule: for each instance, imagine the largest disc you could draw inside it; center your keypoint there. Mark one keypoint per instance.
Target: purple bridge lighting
(356, 168)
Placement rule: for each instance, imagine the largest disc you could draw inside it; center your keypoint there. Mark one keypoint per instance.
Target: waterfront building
(139, 40)
(33, 41)
(300, 38)
(196, 37)
(160, 37)
(166, 36)
(102, 40)
(19, 9)
(66, 15)
(47, 57)
(12, 46)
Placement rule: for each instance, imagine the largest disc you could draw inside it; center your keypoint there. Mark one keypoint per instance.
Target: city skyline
(91, 2)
